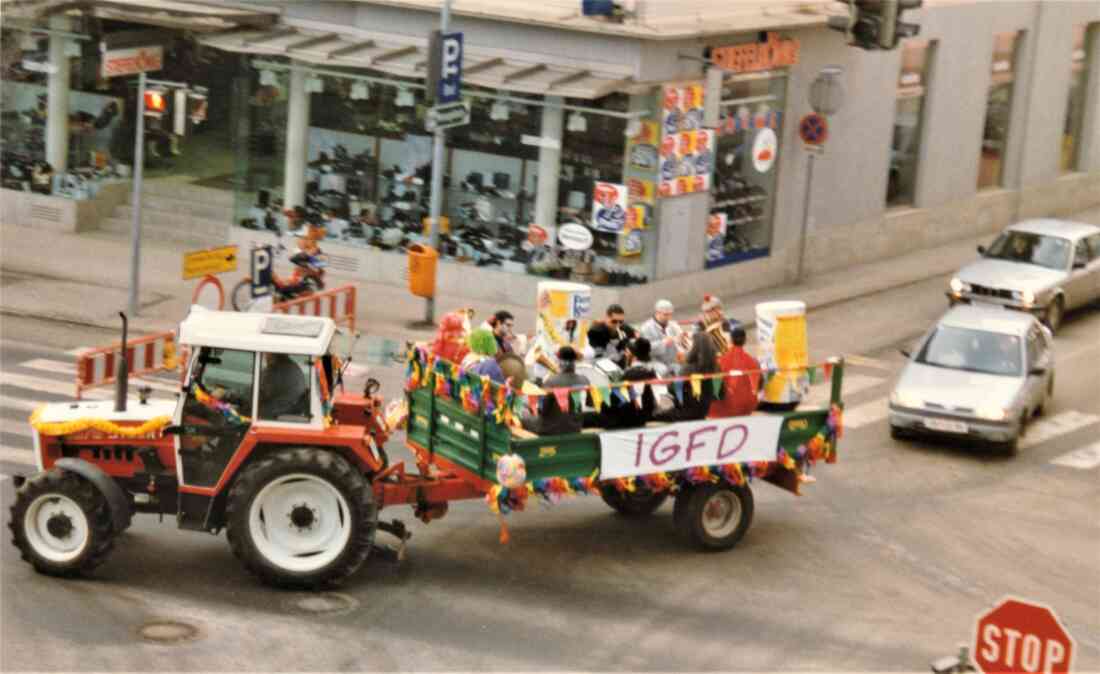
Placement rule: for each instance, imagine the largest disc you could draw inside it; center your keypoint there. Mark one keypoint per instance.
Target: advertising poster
(716, 237)
(609, 207)
(686, 149)
(631, 242)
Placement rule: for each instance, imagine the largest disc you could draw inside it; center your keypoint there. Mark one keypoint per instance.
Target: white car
(980, 372)
(1044, 267)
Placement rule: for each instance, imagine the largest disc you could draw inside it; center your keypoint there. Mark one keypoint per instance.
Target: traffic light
(875, 24)
(154, 103)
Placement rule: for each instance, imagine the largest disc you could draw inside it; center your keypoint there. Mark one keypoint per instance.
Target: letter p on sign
(1021, 636)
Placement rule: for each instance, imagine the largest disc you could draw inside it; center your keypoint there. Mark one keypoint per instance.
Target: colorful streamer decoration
(151, 426)
(210, 402)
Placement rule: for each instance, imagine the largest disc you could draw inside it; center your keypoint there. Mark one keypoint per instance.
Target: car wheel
(1054, 315)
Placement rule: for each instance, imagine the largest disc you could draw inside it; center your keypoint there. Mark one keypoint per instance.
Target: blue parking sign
(450, 77)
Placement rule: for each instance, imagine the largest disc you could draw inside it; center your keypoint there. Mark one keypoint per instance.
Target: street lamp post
(440, 143)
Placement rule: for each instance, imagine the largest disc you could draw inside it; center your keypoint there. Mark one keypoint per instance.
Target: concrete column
(57, 97)
(546, 199)
(297, 141)
(1088, 159)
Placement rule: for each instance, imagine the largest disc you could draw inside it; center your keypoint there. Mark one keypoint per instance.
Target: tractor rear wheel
(301, 518)
(61, 524)
(714, 517)
(640, 503)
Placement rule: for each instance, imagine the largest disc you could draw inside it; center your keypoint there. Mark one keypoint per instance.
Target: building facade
(658, 156)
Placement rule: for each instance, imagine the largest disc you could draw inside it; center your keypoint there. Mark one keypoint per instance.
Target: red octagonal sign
(1021, 636)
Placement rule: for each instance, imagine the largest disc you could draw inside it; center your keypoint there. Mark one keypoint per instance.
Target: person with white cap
(668, 342)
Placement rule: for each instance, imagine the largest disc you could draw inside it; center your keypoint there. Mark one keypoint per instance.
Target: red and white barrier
(337, 304)
(145, 355)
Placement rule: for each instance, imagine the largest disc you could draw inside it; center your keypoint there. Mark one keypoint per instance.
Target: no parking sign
(813, 129)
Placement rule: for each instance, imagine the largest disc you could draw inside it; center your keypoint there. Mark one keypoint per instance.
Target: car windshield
(973, 350)
(1046, 251)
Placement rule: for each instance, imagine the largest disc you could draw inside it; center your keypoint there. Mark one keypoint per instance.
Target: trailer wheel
(61, 524)
(714, 517)
(301, 518)
(632, 504)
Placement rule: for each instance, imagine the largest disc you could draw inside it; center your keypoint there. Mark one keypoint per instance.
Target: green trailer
(457, 433)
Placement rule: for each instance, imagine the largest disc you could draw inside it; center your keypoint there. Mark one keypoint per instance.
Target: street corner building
(627, 145)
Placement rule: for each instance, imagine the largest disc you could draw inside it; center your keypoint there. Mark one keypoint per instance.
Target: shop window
(1078, 92)
(916, 57)
(746, 168)
(998, 110)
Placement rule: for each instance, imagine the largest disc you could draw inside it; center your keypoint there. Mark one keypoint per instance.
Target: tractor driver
(283, 389)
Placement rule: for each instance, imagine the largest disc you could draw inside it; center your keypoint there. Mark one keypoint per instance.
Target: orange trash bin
(422, 263)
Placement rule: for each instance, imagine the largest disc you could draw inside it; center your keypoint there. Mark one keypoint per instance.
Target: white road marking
(43, 385)
(1083, 458)
(78, 350)
(12, 427)
(1059, 424)
(18, 403)
(852, 384)
(867, 413)
(864, 361)
(48, 365)
(17, 456)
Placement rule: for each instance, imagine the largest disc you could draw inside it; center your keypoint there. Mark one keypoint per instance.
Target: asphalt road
(882, 565)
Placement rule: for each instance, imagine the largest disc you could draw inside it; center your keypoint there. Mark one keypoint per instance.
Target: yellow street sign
(209, 261)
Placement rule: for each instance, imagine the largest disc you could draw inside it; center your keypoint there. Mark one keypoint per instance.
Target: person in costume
(450, 339)
(481, 360)
(551, 419)
(668, 341)
(740, 394)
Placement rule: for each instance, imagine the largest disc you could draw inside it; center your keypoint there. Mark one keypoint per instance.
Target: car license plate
(946, 425)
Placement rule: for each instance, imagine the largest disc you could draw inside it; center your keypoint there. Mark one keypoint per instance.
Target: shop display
(745, 174)
(687, 150)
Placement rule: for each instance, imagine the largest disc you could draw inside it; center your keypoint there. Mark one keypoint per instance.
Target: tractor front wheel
(301, 518)
(61, 524)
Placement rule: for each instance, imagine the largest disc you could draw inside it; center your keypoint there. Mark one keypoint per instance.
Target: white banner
(689, 443)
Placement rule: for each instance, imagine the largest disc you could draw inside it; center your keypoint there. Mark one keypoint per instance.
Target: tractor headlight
(991, 413)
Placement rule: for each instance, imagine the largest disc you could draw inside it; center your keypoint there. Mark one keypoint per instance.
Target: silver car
(980, 372)
(1044, 267)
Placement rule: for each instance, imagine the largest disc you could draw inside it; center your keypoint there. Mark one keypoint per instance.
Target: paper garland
(153, 425)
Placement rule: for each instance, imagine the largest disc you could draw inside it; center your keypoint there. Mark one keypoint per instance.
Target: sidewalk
(84, 279)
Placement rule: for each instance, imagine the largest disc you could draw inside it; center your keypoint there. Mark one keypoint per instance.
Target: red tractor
(258, 443)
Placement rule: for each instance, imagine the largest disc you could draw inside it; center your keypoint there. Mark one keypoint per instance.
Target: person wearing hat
(481, 360)
(714, 324)
(551, 419)
(668, 343)
(740, 393)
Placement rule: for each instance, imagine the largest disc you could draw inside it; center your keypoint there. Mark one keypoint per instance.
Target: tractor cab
(250, 372)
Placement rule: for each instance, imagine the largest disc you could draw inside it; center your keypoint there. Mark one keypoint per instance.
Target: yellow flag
(597, 399)
(697, 385)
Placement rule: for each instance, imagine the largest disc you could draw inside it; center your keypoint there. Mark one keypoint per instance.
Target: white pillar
(297, 141)
(57, 97)
(546, 199)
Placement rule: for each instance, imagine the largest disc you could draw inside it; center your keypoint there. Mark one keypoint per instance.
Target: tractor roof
(267, 333)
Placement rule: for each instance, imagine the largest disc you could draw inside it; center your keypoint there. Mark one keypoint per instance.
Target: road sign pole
(437, 173)
(135, 225)
(805, 215)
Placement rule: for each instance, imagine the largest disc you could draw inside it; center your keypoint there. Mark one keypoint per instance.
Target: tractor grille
(986, 291)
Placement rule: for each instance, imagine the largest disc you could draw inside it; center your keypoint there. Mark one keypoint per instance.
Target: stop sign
(1021, 636)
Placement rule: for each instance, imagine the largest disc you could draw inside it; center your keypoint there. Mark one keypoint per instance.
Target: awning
(407, 57)
(191, 15)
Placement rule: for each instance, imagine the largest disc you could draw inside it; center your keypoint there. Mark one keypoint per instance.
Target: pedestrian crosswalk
(27, 384)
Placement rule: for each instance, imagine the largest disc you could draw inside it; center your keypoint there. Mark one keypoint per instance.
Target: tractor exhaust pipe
(122, 372)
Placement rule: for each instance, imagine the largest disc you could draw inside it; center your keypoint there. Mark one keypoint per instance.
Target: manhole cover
(325, 603)
(168, 632)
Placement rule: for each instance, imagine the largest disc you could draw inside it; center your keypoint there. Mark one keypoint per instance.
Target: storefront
(69, 101)
(560, 173)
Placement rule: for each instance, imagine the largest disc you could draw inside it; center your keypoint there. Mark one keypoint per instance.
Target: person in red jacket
(739, 395)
